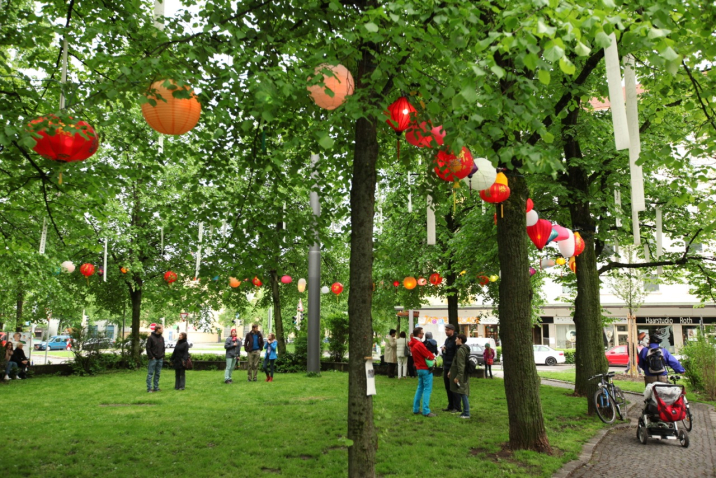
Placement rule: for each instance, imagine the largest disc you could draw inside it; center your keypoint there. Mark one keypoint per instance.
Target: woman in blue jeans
(270, 356)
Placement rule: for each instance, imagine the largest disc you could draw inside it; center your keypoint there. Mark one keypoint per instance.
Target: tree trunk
(589, 357)
(450, 279)
(135, 296)
(20, 304)
(361, 429)
(278, 323)
(527, 431)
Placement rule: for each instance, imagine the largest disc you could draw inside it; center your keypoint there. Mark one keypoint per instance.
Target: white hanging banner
(659, 239)
(161, 235)
(618, 202)
(635, 226)
(369, 377)
(63, 77)
(223, 228)
(43, 236)
(431, 222)
(410, 197)
(160, 144)
(632, 113)
(158, 13)
(616, 97)
(198, 251)
(104, 268)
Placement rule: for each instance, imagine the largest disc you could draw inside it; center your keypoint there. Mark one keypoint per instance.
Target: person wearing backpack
(654, 359)
(459, 374)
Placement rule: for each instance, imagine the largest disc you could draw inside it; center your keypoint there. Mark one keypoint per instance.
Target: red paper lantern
(286, 280)
(435, 278)
(64, 146)
(483, 280)
(530, 205)
(578, 244)
(87, 270)
(424, 135)
(401, 113)
(496, 194)
(540, 232)
(170, 277)
(256, 281)
(422, 281)
(396, 283)
(337, 288)
(453, 168)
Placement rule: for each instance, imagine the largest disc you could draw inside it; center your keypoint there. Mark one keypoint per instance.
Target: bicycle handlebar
(608, 374)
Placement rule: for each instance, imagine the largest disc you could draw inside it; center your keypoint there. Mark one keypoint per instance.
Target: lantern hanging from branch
(533, 271)
(170, 277)
(87, 270)
(560, 261)
(566, 247)
(67, 267)
(539, 233)
(483, 280)
(337, 288)
(301, 285)
(396, 284)
(435, 278)
(422, 281)
(578, 244)
(171, 114)
(496, 194)
(401, 113)
(484, 177)
(256, 281)
(286, 280)
(338, 80)
(410, 283)
(234, 282)
(494, 278)
(500, 178)
(453, 168)
(65, 143)
(425, 135)
(325, 289)
(530, 205)
(552, 236)
(562, 233)
(573, 264)
(546, 263)
(532, 218)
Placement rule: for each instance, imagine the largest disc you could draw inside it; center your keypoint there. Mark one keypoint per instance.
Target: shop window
(566, 336)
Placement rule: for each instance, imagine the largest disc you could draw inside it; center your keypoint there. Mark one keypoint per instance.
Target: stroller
(664, 407)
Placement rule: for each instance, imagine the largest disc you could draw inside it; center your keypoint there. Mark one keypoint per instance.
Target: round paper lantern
(530, 205)
(325, 289)
(495, 194)
(573, 264)
(58, 143)
(578, 244)
(453, 168)
(337, 288)
(435, 278)
(560, 261)
(400, 113)
(234, 282)
(532, 218)
(539, 233)
(566, 247)
(286, 280)
(170, 277)
(171, 115)
(256, 281)
(546, 263)
(494, 278)
(483, 280)
(501, 179)
(301, 285)
(552, 236)
(396, 283)
(87, 270)
(67, 267)
(422, 281)
(410, 283)
(424, 135)
(533, 271)
(339, 81)
(123, 270)
(485, 175)
(562, 233)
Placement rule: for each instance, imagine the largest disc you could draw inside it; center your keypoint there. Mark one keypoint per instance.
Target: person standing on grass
(489, 356)
(411, 362)
(155, 354)
(270, 356)
(179, 358)
(402, 344)
(391, 356)
(449, 350)
(425, 375)
(430, 343)
(233, 354)
(459, 379)
(253, 343)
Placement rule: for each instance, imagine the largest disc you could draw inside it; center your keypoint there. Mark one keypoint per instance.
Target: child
(270, 356)
(489, 356)
(460, 383)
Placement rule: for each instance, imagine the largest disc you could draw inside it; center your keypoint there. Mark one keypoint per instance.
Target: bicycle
(609, 399)
(688, 421)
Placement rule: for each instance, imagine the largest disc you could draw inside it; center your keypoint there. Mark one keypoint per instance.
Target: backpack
(655, 361)
(469, 365)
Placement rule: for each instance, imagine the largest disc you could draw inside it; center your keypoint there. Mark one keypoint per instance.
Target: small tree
(337, 324)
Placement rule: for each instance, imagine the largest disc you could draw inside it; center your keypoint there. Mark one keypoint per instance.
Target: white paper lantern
(532, 218)
(68, 267)
(484, 177)
(301, 285)
(547, 263)
(325, 289)
(566, 247)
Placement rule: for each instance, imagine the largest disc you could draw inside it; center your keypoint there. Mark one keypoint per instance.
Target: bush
(290, 363)
(569, 355)
(338, 339)
(700, 364)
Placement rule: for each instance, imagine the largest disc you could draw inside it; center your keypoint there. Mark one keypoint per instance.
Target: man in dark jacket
(662, 359)
(233, 353)
(449, 350)
(18, 356)
(253, 343)
(155, 353)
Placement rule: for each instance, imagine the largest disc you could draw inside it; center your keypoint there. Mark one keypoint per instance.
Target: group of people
(253, 343)
(15, 361)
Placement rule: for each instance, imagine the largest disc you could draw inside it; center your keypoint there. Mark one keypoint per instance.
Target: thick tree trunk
(20, 303)
(361, 429)
(278, 323)
(135, 296)
(450, 279)
(589, 357)
(527, 431)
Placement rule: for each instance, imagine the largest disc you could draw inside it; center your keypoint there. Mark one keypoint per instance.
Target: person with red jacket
(425, 375)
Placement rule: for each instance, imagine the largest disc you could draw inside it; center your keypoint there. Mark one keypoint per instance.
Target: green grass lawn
(108, 425)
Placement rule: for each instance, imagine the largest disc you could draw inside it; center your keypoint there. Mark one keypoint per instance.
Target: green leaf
(531, 61)
(497, 71)
(669, 54)
(602, 40)
(326, 141)
(547, 137)
(544, 29)
(553, 52)
(469, 93)
(371, 27)
(657, 33)
(567, 66)
(582, 49)
(543, 76)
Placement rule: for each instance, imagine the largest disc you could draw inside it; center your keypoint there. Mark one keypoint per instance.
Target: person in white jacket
(402, 344)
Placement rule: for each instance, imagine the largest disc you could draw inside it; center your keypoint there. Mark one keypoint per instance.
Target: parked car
(618, 355)
(98, 344)
(56, 342)
(547, 355)
(477, 354)
(170, 344)
(481, 341)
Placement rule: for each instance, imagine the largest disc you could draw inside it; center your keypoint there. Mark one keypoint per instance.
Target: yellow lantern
(560, 261)
(501, 179)
(410, 283)
(573, 264)
(493, 278)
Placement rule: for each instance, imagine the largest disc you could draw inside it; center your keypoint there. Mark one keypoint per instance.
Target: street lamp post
(314, 282)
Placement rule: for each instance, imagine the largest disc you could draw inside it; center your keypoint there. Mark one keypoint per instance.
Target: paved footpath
(617, 453)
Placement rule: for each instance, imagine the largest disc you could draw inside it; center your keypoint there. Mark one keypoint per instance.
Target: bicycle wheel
(620, 402)
(604, 405)
(688, 421)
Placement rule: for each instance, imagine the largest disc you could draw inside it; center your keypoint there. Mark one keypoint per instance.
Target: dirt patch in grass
(305, 399)
(335, 447)
(127, 404)
(271, 470)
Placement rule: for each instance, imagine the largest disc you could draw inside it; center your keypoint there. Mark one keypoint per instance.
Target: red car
(618, 355)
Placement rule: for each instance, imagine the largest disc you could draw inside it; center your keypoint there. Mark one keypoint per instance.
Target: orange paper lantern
(578, 244)
(171, 115)
(410, 283)
(234, 282)
(341, 84)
